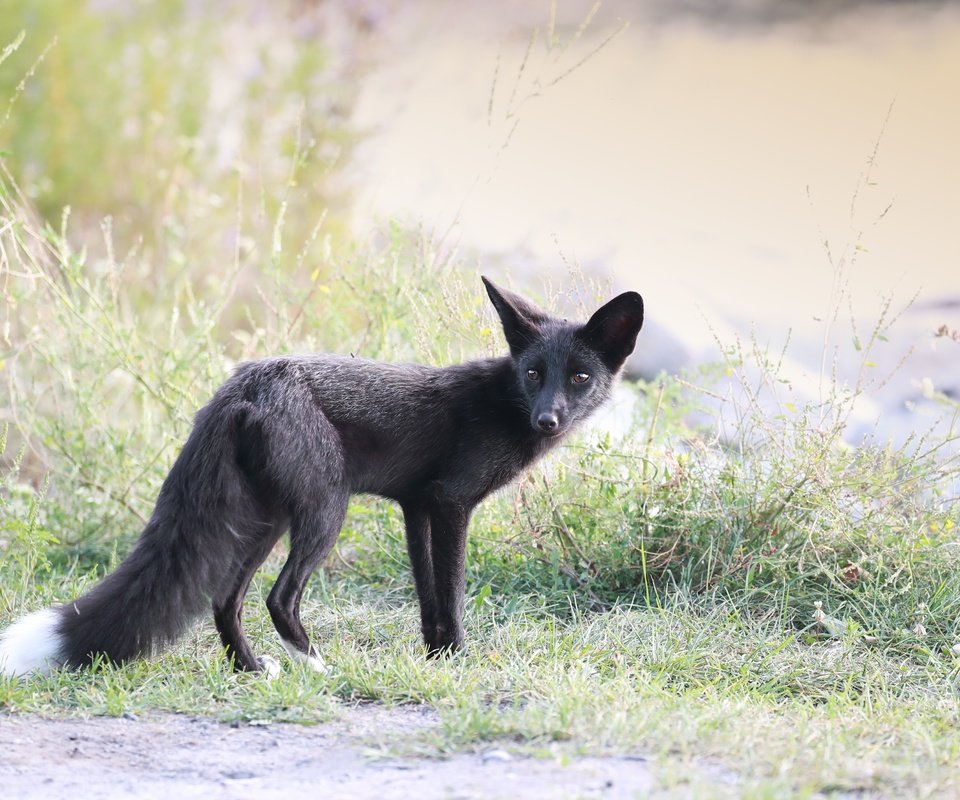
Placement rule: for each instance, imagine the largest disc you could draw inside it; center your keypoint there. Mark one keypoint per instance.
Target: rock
(496, 756)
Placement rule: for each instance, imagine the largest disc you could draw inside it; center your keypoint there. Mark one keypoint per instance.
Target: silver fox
(282, 446)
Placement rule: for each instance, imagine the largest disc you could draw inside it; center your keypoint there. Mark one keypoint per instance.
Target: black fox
(282, 446)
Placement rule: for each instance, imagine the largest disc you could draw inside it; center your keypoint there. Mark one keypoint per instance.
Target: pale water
(709, 161)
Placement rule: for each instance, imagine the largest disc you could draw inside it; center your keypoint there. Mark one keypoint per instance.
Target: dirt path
(180, 757)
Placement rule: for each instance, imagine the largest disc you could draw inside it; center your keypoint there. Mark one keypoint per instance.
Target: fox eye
(533, 374)
(580, 377)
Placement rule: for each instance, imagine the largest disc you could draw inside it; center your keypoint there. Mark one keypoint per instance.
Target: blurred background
(779, 174)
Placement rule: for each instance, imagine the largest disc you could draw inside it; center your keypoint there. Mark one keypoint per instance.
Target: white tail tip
(31, 644)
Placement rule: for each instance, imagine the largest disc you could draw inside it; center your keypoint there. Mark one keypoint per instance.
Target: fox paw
(442, 640)
(312, 660)
(269, 666)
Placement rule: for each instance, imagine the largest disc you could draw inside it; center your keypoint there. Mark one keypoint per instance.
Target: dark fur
(286, 441)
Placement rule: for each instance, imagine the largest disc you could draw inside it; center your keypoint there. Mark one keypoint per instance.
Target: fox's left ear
(612, 330)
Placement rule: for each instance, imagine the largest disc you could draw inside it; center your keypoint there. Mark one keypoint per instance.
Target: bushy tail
(184, 554)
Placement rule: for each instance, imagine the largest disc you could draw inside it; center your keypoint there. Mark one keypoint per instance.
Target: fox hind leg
(228, 605)
(313, 533)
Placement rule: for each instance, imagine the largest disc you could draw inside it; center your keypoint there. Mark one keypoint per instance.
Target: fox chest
(478, 471)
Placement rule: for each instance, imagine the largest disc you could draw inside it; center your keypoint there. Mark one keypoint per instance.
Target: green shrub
(190, 133)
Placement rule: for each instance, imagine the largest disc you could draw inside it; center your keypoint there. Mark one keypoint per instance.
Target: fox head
(563, 370)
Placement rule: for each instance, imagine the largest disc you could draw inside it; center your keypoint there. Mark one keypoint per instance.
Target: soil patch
(180, 756)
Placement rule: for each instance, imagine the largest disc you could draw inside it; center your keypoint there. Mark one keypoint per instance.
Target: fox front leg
(416, 516)
(448, 526)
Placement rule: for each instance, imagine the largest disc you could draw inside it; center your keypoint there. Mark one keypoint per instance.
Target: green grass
(781, 605)
(157, 116)
(695, 681)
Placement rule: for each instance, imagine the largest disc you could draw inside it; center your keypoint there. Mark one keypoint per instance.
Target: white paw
(270, 667)
(317, 664)
(314, 662)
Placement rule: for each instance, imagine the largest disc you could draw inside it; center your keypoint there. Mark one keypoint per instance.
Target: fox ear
(612, 330)
(520, 318)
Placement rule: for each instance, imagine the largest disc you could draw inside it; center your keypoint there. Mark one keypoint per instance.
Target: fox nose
(547, 422)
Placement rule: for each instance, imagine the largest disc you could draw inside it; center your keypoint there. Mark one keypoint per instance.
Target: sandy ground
(181, 756)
